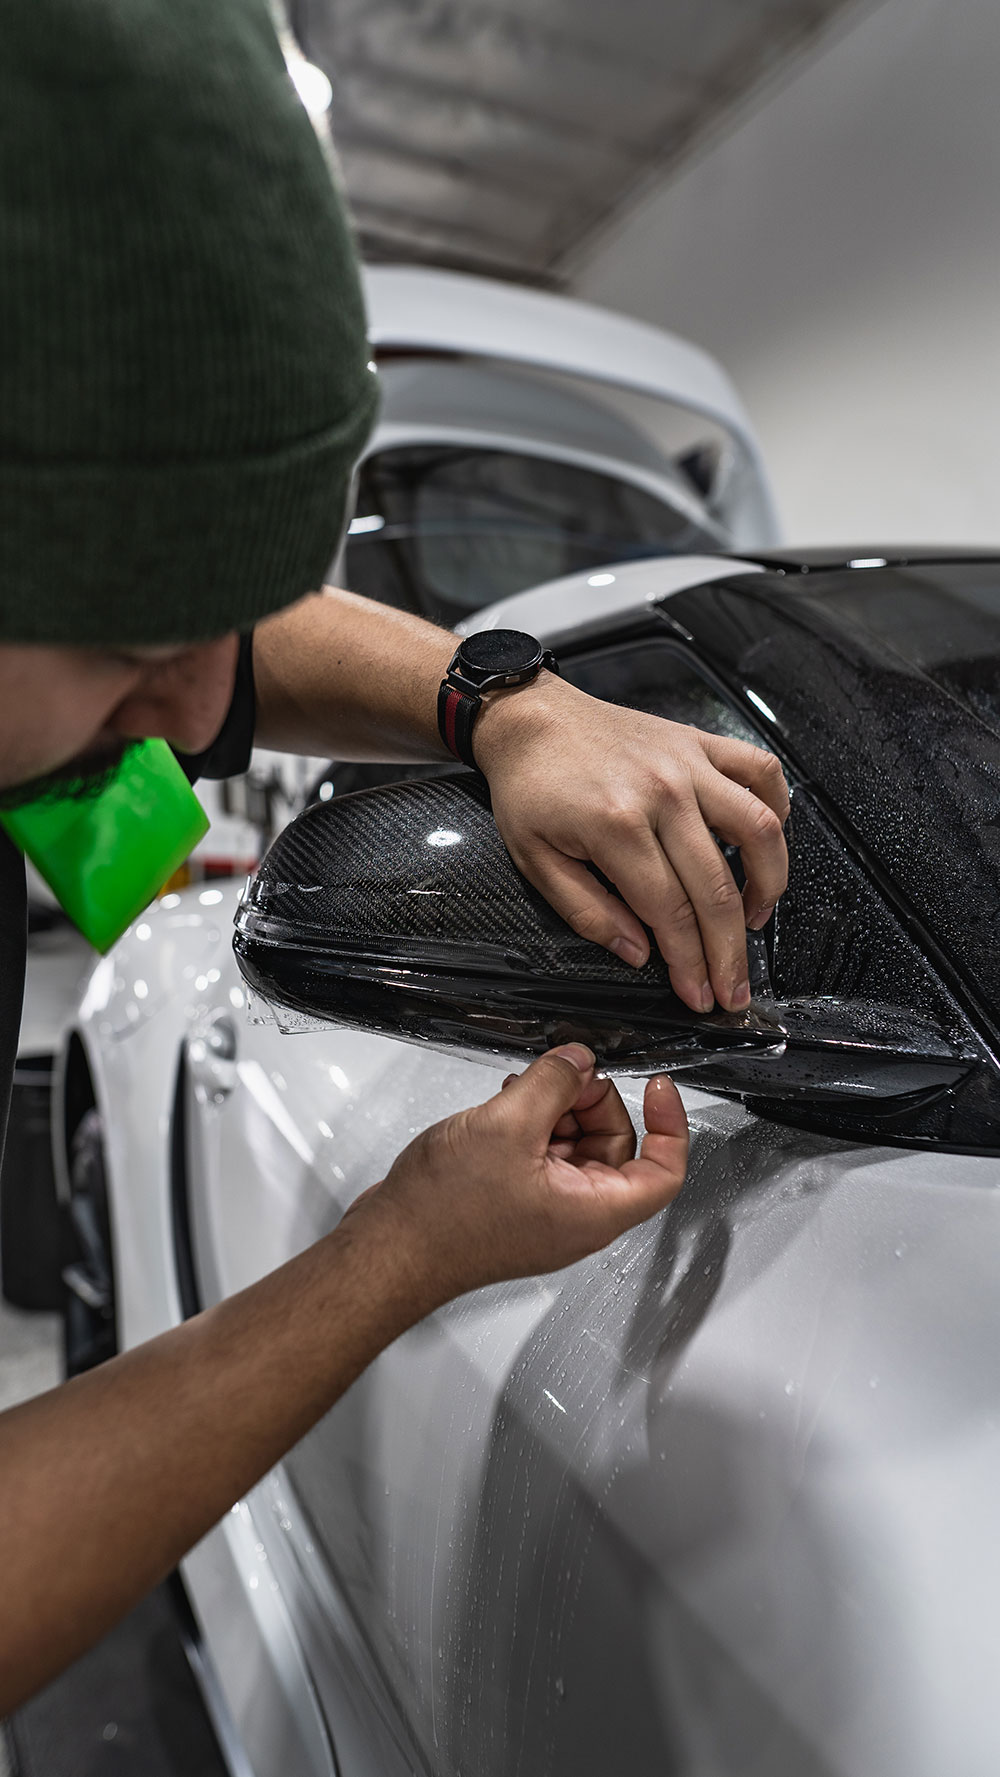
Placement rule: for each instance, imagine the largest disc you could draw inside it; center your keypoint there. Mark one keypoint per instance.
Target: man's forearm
(107, 1481)
(341, 675)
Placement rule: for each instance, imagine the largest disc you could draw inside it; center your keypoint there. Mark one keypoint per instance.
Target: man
(185, 392)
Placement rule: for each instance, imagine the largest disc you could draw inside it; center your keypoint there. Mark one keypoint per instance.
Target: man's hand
(574, 780)
(536, 1178)
(108, 1480)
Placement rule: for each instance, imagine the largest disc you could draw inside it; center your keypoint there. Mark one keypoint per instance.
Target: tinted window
(657, 677)
(461, 527)
(881, 686)
(942, 618)
(832, 934)
(835, 936)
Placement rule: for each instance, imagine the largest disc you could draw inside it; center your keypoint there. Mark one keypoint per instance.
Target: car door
(716, 1499)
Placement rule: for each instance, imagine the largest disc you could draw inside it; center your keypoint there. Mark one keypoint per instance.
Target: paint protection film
(400, 911)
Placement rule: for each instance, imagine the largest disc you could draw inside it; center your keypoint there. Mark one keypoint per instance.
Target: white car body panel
(731, 1476)
(581, 605)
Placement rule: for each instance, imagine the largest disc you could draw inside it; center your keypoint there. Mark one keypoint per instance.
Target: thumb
(536, 1099)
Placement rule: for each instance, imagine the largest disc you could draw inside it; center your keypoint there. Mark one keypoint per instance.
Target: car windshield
(445, 529)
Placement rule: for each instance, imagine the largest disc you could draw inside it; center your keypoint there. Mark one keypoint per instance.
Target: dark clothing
(13, 937)
(229, 753)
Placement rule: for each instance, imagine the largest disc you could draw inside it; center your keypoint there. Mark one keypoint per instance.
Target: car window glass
(445, 530)
(942, 618)
(661, 679)
(833, 934)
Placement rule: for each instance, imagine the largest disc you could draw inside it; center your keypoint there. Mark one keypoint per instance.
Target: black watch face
(501, 651)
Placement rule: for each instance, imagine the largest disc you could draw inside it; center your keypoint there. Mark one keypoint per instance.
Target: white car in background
(722, 1499)
(521, 437)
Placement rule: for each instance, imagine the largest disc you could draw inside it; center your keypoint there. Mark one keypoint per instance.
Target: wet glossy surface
(721, 1498)
(710, 1497)
(845, 929)
(703, 1504)
(400, 911)
(903, 762)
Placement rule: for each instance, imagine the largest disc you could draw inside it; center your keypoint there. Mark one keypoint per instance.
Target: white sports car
(722, 1499)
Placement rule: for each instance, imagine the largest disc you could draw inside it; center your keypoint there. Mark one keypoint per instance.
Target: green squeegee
(105, 856)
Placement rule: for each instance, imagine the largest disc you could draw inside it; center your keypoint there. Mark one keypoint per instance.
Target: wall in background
(840, 252)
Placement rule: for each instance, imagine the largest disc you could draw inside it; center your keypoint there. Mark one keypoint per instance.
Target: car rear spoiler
(420, 310)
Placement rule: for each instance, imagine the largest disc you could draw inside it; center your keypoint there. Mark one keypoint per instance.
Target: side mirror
(398, 910)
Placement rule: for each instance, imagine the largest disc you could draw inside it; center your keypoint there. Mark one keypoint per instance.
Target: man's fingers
(645, 876)
(597, 1126)
(654, 897)
(585, 904)
(751, 815)
(673, 879)
(632, 1192)
(567, 1128)
(706, 878)
(751, 766)
(663, 1111)
(605, 1130)
(658, 1172)
(722, 913)
(537, 1099)
(741, 818)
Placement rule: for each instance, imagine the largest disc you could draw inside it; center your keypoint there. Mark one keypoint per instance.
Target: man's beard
(81, 778)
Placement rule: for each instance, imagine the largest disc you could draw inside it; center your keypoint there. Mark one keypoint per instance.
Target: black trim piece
(820, 1120)
(180, 1207)
(872, 557)
(471, 1011)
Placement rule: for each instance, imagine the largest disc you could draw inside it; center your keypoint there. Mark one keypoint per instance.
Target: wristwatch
(490, 660)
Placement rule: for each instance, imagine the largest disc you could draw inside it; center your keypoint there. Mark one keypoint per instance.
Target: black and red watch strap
(509, 659)
(457, 712)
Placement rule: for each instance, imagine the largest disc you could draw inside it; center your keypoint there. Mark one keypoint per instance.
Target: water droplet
(560, 1689)
(789, 1388)
(899, 1251)
(873, 1381)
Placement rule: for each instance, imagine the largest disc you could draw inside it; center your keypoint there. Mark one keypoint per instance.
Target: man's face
(68, 714)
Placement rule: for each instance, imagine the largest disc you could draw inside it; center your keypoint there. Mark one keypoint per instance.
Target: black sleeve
(229, 753)
(13, 934)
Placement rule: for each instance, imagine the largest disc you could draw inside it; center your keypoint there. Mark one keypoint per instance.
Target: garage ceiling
(495, 137)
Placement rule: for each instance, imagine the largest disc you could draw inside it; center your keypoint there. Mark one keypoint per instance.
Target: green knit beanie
(183, 370)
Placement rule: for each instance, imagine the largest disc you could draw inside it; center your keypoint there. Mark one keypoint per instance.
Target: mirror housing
(398, 910)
